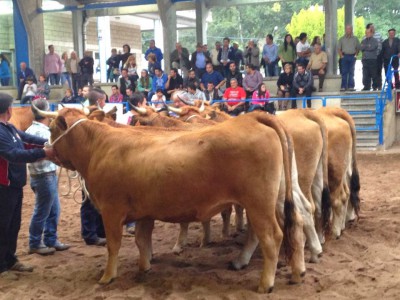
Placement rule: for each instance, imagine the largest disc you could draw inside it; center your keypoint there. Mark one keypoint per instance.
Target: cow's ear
(60, 123)
(97, 115)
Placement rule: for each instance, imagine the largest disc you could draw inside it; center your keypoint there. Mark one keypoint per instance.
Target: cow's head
(62, 121)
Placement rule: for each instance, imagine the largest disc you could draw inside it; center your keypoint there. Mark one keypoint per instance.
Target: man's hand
(301, 91)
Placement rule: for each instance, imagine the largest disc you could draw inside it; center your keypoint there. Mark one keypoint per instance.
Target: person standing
(5, 73)
(153, 49)
(13, 158)
(252, 55)
(43, 238)
(214, 57)
(113, 66)
(237, 56)
(86, 65)
(199, 60)
(180, 59)
(287, 52)
(64, 72)
(92, 229)
(52, 66)
(303, 49)
(74, 70)
(369, 47)
(348, 48)
(390, 47)
(225, 56)
(379, 58)
(270, 56)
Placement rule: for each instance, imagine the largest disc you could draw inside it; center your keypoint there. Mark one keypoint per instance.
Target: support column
(168, 19)
(104, 38)
(331, 35)
(29, 35)
(159, 38)
(201, 23)
(349, 12)
(77, 32)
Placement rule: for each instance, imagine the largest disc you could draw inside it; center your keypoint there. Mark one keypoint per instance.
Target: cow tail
(355, 177)
(289, 207)
(326, 207)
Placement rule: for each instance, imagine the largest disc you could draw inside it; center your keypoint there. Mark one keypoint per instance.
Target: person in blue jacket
(153, 49)
(5, 73)
(158, 83)
(16, 149)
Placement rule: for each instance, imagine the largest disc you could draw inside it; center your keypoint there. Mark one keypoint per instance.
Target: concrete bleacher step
(367, 139)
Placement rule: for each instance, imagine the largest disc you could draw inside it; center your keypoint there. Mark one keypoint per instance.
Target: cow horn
(202, 107)
(175, 110)
(43, 113)
(62, 104)
(140, 110)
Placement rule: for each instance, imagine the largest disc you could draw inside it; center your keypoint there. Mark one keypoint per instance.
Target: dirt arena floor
(363, 264)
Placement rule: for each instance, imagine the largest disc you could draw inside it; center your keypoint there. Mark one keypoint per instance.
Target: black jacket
(14, 156)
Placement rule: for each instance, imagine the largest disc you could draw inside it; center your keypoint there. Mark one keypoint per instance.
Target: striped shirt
(42, 166)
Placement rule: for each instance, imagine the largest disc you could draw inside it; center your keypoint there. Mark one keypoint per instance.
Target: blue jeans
(66, 78)
(46, 212)
(348, 62)
(270, 69)
(5, 81)
(54, 79)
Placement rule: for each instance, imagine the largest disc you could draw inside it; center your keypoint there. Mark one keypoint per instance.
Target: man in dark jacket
(86, 65)
(302, 85)
(16, 149)
(23, 74)
(233, 73)
(180, 59)
(390, 47)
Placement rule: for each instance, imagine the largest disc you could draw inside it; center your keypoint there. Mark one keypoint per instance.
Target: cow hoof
(177, 250)
(262, 290)
(235, 266)
(105, 281)
(314, 259)
(296, 278)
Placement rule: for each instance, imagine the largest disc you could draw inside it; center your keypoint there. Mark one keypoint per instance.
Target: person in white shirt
(303, 49)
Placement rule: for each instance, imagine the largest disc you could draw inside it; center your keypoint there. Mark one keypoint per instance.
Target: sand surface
(363, 264)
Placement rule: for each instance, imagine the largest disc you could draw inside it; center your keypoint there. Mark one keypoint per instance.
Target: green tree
(312, 21)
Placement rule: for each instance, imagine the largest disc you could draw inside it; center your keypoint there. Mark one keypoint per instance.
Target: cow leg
(248, 249)
(226, 219)
(316, 189)
(337, 209)
(182, 238)
(144, 229)
(239, 218)
(304, 207)
(206, 239)
(113, 228)
(297, 263)
(270, 237)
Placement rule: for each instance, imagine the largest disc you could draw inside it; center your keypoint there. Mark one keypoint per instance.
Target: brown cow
(344, 181)
(22, 117)
(310, 143)
(126, 187)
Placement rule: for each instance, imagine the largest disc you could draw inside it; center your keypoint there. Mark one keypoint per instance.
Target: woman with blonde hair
(131, 66)
(64, 71)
